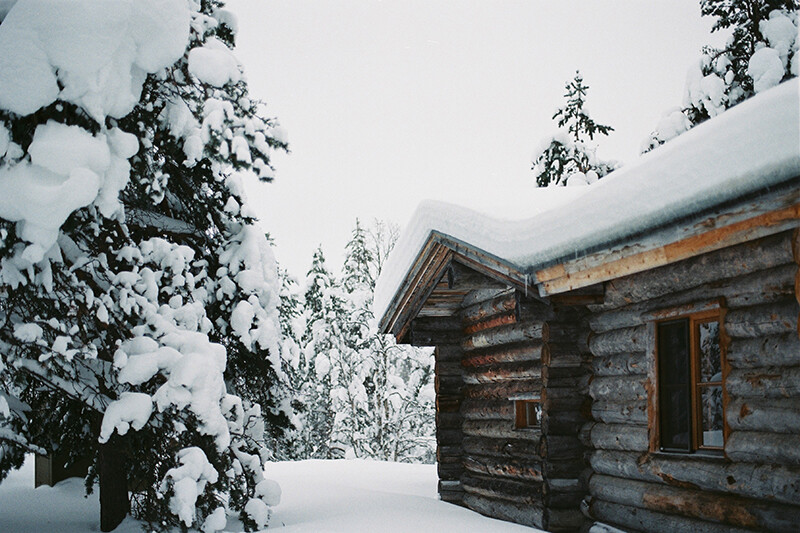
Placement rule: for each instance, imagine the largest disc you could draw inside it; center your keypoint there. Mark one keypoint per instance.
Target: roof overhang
(761, 214)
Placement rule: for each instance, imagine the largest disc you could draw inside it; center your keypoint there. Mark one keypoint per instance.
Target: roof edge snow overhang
(747, 218)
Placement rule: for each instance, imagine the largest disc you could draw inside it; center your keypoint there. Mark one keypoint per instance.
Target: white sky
(387, 103)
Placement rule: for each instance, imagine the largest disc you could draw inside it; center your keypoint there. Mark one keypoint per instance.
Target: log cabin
(630, 358)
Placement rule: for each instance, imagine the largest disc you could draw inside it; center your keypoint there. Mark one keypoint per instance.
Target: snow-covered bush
(760, 53)
(138, 296)
(569, 157)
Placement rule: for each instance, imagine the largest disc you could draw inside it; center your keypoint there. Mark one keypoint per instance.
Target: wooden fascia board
(752, 220)
(487, 264)
(427, 270)
(417, 286)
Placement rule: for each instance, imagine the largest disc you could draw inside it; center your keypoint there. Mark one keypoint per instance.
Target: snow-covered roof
(750, 148)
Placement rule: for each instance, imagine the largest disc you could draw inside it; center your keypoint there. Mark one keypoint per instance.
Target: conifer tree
(141, 328)
(382, 393)
(322, 344)
(569, 155)
(760, 53)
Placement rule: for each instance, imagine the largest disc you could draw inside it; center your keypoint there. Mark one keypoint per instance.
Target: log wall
(755, 486)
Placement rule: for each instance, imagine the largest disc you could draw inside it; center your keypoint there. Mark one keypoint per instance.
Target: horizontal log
(448, 353)
(476, 296)
(526, 370)
(450, 471)
(500, 429)
(448, 384)
(621, 412)
(448, 403)
(490, 323)
(448, 420)
(432, 324)
(562, 422)
(563, 519)
(763, 448)
(796, 246)
(488, 410)
(576, 378)
(758, 352)
(494, 447)
(638, 519)
(619, 341)
(620, 437)
(559, 470)
(434, 338)
(620, 365)
(529, 310)
(509, 353)
(561, 393)
(529, 493)
(448, 368)
(770, 382)
(777, 415)
(505, 303)
(703, 505)
(554, 446)
(726, 263)
(565, 355)
(526, 331)
(506, 390)
(618, 388)
(763, 287)
(762, 320)
(504, 467)
(576, 336)
(772, 482)
(528, 515)
(449, 437)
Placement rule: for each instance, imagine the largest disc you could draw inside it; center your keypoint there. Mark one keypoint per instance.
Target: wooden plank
(625, 259)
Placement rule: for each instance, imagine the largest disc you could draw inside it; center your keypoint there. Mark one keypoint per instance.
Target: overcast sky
(387, 103)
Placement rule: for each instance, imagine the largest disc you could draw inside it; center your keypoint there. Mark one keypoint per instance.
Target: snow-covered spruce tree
(288, 446)
(760, 53)
(569, 157)
(138, 297)
(322, 342)
(382, 393)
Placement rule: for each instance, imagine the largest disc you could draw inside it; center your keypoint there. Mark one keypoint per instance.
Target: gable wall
(757, 484)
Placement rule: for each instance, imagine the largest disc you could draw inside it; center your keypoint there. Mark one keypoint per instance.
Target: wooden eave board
(746, 221)
(421, 283)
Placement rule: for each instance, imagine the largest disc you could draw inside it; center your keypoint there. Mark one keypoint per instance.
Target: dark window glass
(674, 384)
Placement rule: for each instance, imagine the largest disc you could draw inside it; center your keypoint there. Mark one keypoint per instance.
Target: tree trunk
(114, 503)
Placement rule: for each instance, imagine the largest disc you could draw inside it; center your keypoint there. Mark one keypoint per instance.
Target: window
(528, 413)
(689, 368)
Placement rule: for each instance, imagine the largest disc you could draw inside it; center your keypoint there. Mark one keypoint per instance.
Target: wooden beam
(607, 265)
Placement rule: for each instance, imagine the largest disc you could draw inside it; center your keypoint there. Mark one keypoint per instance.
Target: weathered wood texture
(756, 485)
(449, 434)
(696, 504)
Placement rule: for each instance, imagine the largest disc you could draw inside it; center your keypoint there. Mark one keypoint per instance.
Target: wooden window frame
(697, 314)
(521, 413)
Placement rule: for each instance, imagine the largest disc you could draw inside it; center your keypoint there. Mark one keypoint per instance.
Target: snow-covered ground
(318, 497)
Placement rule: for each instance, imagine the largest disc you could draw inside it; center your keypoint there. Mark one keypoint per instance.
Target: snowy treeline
(139, 323)
(760, 53)
(357, 393)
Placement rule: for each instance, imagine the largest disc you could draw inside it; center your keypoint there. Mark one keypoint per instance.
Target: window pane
(674, 384)
(711, 415)
(710, 361)
(533, 411)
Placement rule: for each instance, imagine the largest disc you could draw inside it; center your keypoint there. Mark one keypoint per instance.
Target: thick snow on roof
(748, 148)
